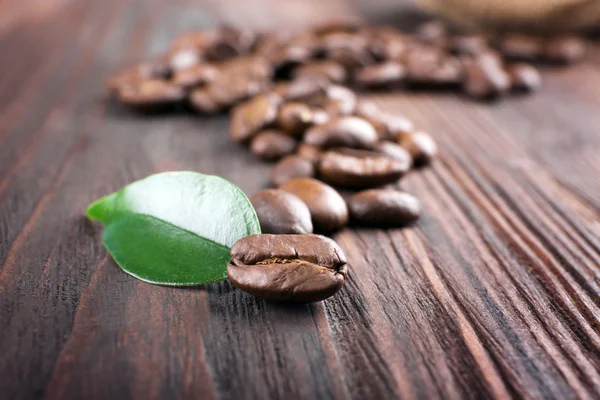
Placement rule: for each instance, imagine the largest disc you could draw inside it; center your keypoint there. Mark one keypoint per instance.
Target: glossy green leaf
(175, 228)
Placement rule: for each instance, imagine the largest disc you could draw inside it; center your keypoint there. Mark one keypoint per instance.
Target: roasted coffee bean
(281, 212)
(148, 70)
(294, 118)
(524, 77)
(336, 26)
(184, 58)
(387, 125)
(521, 47)
(396, 152)
(420, 146)
(347, 131)
(321, 69)
(430, 67)
(300, 89)
(272, 144)
(197, 75)
(235, 90)
(338, 100)
(320, 116)
(151, 95)
(295, 268)
(327, 208)
(384, 208)
(201, 101)
(254, 115)
(565, 50)
(485, 77)
(381, 75)
(432, 32)
(469, 45)
(348, 49)
(193, 40)
(309, 152)
(229, 43)
(291, 167)
(359, 168)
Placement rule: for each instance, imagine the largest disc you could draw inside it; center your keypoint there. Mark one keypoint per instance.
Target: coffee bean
(432, 32)
(312, 153)
(197, 75)
(184, 58)
(521, 47)
(347, 131)
(229, 43)
(429, 66)
(294, 118)
(296, 268)
(359, 168)
(151, 95)
(201, 101)
(565, 50)
(336, 26)
(321, 69)
(281, 212)
(384, 208)
(272, 144)
(381, 75)
(300, 89)
(290, 167)
(147, 70)
(250, 117)
(524, 77)
(348, 49)
(396, 152)
(338, 100)
(327, 208)
(485, 77)
(420, 146)
(469, 45)
(388, 126)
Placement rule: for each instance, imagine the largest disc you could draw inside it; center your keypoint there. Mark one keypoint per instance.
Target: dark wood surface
(493, 294)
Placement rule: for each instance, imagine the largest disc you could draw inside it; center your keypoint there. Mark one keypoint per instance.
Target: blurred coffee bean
(429, 66)
(148, 70)
(565, 50)
(469, 45)
(327, 208)
(336, 26)
(384, 208)
(348, 49)
(201, 102)
(321, 69)
(359, 168)
(524, 77)
(309, 152)
(338, 100)
(485, 77)
(281, 212)
(295, 118)
(230, 42)
(521, 47)
(388, 126)
(195, 76)
(420, 146)
(432, 32)
(184, 58)
(272, 144)
(300, 89)
(380, 75)
(151, 95)
(254, 115)
(290, 167)
(345, 131)
(396, 152)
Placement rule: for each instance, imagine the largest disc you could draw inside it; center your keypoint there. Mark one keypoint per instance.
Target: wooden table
(493, 294)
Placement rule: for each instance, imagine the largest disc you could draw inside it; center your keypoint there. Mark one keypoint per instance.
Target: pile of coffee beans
(293, 100)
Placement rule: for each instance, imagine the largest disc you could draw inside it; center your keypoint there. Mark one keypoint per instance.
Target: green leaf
(175, 228)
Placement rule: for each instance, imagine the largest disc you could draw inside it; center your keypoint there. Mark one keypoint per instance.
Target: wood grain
(493, 294)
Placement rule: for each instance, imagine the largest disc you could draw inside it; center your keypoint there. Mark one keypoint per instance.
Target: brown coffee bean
(431, 67)
(272, 144)
(521, 47)
(197, 75)
(469, 45)
(281, 212)
(291, 167)
(359, 168)
(338, 100)
(147, 70)
(321, 69)
(348, 49)
(294, 118)
(396, 152)
(336, 26)
(230, 42)
(346, 131)
(192, 40)
(300, 89)
(485, 77)
(524, 77)
(388, 126)
(384, 208)
(565, 50)
(420, 146)
(327, 208)
(432, 32)
(201, 101)
(184, 58)
(320, 116)
(296, 268)
(309, 152)
(151, 95)
(254, 115)
(381, 75)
